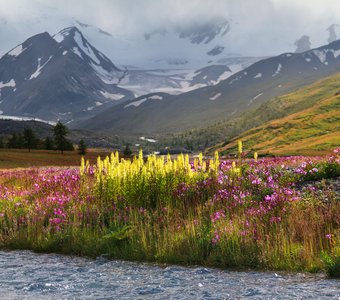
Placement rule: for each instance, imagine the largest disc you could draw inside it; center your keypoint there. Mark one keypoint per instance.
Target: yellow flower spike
(233, 165)
(255, 156)
(200, 159)
(82, 166)
(217, 161)
(186, 161)
(240, 146)
(195, 163)
(87, 166)
(211, 164)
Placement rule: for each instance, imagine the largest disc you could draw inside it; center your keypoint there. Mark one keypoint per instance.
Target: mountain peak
(44, 77)
(71, 38)
(68, 32)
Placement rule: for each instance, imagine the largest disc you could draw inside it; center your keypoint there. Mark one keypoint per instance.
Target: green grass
(220, 133)
(310, 125)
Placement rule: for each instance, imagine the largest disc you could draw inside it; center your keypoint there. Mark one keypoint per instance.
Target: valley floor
(21, 158)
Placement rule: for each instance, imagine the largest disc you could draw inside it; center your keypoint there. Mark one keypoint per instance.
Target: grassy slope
(312, 125)
(224, 132)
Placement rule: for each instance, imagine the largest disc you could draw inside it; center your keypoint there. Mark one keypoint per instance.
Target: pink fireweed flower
(314, 170)
(256, 181)
(275, 219)
(216, 238)
(217, 215)
(328, 236)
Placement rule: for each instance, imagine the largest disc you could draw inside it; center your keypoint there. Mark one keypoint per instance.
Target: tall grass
(241, 214)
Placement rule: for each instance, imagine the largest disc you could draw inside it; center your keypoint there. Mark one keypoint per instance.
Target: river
(27, 275)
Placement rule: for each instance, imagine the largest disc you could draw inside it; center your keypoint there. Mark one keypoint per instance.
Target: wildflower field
(255, 213)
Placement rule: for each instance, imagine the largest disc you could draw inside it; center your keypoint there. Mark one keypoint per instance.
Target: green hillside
(223, 132)
(311, 124)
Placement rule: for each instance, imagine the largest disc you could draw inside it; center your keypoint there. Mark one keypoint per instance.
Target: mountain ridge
(231, 97)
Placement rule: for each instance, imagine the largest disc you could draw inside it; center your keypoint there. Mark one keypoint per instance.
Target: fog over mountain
(149, 33)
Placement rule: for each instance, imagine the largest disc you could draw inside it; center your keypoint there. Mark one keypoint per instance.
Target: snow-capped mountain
(260, 82)
(58, 77)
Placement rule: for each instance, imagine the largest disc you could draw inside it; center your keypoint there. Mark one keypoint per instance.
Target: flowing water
(27, 275)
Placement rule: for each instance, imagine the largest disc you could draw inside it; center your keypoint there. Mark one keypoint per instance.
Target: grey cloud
(256, 23)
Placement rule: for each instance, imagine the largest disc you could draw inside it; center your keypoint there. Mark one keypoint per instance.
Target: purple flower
(328, 236)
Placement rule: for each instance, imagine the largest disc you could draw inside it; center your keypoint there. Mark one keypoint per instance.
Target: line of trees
(27, 139)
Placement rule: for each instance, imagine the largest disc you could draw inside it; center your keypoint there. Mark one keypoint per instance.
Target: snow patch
(259, 95)
(254, 98)
(85, 48)
(98, 103)
(39, 68)
(10, 83)
(155, 97)
(76, 51)
(288, 54)
(279, 67)
(336, 53)
(226, 75)
(112, 96)
(139, 102)
(59, 37)
(215, 96)
(259, 75)
(136, 103)
(106, 76)
(321, 55)
(308, 59)
(16, 51)
(68, 122)
(235, 79)
(65, 52)
(148, 140)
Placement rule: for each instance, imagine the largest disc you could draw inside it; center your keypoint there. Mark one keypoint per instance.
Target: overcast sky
(134, 15)
(254, 21)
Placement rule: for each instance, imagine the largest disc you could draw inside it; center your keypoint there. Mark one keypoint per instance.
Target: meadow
(256, 213)
(21, 158)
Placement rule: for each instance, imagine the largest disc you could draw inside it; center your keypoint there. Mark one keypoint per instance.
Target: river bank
(27, 275)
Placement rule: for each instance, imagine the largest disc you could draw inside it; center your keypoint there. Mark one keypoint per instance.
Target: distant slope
(42, 130)
(311, 124)
(243, 91)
